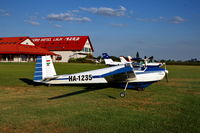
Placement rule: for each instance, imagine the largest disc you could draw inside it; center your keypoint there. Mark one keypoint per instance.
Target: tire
(122, 94)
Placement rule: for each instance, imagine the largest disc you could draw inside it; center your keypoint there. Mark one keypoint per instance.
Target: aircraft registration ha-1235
(126, 75)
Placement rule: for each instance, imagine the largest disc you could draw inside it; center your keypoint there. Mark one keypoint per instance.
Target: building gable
(87, 47)
(27, 42)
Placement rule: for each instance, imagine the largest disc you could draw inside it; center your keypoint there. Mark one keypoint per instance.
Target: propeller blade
(166, 73)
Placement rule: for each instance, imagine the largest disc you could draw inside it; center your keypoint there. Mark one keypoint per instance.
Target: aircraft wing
(122, 69)
(123, 74)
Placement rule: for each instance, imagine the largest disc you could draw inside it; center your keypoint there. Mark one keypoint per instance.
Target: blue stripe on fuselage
(62, 79)
(154, 69)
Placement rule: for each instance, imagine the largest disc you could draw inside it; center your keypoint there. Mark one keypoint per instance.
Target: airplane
(109, 61)
(125, 75)
(146, 61)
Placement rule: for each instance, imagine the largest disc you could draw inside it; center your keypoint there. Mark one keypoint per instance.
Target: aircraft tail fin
(107, 59)
(44, 68)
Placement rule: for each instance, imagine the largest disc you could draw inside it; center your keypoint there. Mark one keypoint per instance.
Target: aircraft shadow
(88, 88)
(30, 82)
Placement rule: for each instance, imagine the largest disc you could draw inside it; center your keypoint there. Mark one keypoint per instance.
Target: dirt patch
(140, 104)
(18, 90)
(193, 92)
(32, 126)
(176, 84)
(184, 79)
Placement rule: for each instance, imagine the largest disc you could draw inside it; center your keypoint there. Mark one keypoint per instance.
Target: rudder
(44, 68)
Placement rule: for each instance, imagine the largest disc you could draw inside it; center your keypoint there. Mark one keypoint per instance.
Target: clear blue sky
(166, 29)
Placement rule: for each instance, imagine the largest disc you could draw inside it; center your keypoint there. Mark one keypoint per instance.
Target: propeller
(166, 72)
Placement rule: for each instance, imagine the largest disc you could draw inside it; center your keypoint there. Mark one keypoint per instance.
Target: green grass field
(172, 107)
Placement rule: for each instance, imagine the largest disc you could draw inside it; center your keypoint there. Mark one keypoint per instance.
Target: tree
(137, 55)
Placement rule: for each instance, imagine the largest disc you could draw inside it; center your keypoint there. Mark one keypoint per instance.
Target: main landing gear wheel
(123, 94)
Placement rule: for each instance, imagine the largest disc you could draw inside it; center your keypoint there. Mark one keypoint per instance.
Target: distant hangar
(22, 49)
(67, 47)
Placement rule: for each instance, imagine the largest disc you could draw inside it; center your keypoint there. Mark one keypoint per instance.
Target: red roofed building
(66, 46)
(19, 49)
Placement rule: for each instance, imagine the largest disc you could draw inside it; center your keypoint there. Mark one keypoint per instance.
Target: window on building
(86, 50)
(24, 57)
(59, 58)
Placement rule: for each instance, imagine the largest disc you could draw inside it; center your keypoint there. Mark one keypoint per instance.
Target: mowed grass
(162, 107)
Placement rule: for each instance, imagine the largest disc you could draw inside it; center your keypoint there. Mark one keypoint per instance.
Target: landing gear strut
(123, 94)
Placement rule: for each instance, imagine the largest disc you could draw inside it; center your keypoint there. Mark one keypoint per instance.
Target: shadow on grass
(30, 82)
(88, 88)
(111, 97)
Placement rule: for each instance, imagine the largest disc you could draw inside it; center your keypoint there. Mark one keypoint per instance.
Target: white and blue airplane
(145, 61)
(125, 75)
(109, 61)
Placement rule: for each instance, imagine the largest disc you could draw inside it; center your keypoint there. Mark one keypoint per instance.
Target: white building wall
(17, 58)
(66, 55)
